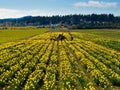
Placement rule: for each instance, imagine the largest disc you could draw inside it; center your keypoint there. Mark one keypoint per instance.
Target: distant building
(40, 26)
(53, 25)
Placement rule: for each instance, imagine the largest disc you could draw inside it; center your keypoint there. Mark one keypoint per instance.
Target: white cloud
(14, 13)
(92, 3)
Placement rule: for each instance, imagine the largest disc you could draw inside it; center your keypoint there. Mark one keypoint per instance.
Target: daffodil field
(39, 63)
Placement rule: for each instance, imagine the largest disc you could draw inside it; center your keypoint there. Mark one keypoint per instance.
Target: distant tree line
(70, 21)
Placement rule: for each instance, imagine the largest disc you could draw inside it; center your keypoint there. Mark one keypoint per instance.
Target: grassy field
(91, 61)
(112, 34)
(107, 38)
(19, 33)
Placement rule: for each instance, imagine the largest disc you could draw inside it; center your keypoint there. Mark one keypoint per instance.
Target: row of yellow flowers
(107, 72)
(38, 63)
(35, 78)
(50, 79)
(21, 66)
(8, 62)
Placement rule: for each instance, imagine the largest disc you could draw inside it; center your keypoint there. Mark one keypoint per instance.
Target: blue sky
(19, 8)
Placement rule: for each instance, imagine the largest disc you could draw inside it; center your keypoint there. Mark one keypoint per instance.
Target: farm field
(19, 33)
(107, 38)
(91, 61)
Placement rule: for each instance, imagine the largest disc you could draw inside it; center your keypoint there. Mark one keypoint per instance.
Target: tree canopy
(73, 21)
